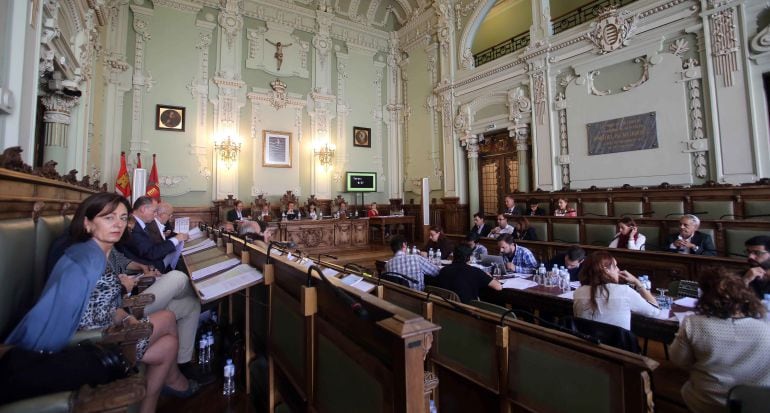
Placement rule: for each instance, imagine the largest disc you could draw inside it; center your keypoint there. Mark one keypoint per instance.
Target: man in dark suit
(140, 245)
(479, 226)
(172, 290)
(510, 207)
(689, 240)
(236, 214)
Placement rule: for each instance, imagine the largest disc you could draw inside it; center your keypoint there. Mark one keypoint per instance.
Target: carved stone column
(393, 112)
(520, 135)
(57, 120)
(471, 143)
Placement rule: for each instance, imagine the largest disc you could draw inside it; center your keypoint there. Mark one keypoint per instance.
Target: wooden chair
(748, 399)
(683, 288)
(608, 334)
(442, 292)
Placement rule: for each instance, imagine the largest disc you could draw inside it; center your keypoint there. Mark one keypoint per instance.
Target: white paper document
(199, 247)
(172, 258)
(182, 225)
(229, 281)
(330, 272)
(195, 233)
(688, 302)
(357, 281)
(518, 284)
(570, 295)
(224, 265)
(681, 316)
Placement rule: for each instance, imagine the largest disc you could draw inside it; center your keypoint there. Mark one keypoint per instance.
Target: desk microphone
(280, 244)
(698, 213)
(355, 306)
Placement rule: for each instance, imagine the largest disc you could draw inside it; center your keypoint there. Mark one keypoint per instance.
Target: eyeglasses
(757, 253)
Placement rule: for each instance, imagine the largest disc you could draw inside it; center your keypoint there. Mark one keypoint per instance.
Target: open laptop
(488, 260)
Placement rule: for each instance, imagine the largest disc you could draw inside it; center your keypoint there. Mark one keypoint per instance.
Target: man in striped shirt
(413, 266)
(517, 258)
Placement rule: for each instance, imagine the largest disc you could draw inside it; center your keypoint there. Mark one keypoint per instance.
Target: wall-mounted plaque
(632, 133)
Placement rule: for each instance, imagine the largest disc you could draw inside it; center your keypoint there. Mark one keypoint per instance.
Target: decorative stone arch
(465, 60)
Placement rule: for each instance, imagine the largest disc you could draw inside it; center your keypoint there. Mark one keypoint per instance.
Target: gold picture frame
(276, 149)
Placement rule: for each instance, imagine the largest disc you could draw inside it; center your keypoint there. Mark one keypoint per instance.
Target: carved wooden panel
(343, 235)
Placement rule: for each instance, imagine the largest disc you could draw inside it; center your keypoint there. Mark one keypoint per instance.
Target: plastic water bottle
(202, 351)
(283, 216)
(209, 346)
(299, 214)
(414, 250)
(541, 272)
(431, 258)
(564, 279)
(356, 214)
(229, 386)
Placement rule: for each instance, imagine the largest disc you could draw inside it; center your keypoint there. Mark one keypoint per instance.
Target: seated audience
(572, 260)
(479, 226)
(312, 212)
(758, 276)
(724, 344)
(563, 209)
(439, 242)
(472, 241)
(510, 207)
(689, 240)
(517, 258)
(414, 266)
(534, 208)
(604, 295)
(237, 213)
(522, 231)
(373, 212)
(502, 227)
(292, 212)
(628, 235)
(172, 290)
(464, 279)
(84, 292)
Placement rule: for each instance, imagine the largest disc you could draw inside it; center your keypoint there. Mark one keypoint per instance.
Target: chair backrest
(492, 308)
(442, 292)
(687, 288)
(395, 279)
(748, 399)
(608, 334)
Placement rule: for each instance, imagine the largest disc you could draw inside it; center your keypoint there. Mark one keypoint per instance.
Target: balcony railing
(562, 23)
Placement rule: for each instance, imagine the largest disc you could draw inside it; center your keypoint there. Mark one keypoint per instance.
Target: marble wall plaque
(630, 133)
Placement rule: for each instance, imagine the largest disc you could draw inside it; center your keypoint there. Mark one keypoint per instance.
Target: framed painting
(169, 118)
(362, 137)
(276, 149)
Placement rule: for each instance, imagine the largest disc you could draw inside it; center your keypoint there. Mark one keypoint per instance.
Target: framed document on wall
(276, 149)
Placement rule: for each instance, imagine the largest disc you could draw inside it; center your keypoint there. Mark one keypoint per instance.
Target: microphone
(326, 255)
(673, 214)
(507, 313)
(280, 244)
(643, 213)
(586, 214)
(699, 213)
(355, 306)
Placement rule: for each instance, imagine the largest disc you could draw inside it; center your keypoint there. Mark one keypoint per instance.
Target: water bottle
(202, 351)
(283, 216)
(541, 272)
(229, 386)
(565, 280)
(431, 258)
(415, 251)
(299, 214)
(356, 214)
(209, 346)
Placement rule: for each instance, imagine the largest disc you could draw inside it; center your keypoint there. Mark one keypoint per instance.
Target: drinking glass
(663, 301)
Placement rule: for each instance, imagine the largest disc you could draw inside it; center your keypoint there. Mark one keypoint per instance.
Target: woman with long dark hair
(628, 235)
(724, 344)
(604, 295)
(84, 292)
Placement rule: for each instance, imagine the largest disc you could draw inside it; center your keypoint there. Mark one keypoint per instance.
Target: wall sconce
(228, 151)
(325, 154)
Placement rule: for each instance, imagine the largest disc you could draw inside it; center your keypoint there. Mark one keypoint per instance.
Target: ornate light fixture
(228, 151)
(325, 154)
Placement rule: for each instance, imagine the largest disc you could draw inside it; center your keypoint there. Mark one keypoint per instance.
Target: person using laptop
(516, 258)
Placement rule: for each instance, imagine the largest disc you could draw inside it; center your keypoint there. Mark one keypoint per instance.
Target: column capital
(57, 107)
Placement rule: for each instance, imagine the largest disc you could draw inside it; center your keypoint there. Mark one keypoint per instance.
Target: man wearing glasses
(758, 276)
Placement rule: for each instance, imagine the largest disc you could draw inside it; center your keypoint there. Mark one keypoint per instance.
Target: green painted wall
(506, 19)
(562, 7)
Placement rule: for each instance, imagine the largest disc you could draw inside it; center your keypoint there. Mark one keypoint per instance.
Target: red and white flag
(153, 190)
(122, 183)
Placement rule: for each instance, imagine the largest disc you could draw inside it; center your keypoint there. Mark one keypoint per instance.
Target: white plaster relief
(178, 5)
(261, 54)
(538, 89)
(612, 30)
(141, 79)
(230, 19)
(724, 44)
(760, 43)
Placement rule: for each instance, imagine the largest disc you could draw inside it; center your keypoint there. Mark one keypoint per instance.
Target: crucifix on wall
(278, 52)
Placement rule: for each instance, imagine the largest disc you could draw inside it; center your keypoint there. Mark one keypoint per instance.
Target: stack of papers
(195, 233)
(570, 295)
(223, 265)
(688, 302)
(574, 284)
(357, 281)
(518, 284)
(198, 246)
(227, 282)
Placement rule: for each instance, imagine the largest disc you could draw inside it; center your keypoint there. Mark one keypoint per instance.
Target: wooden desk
(326, 235)
(547, 302)
(384, 220)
